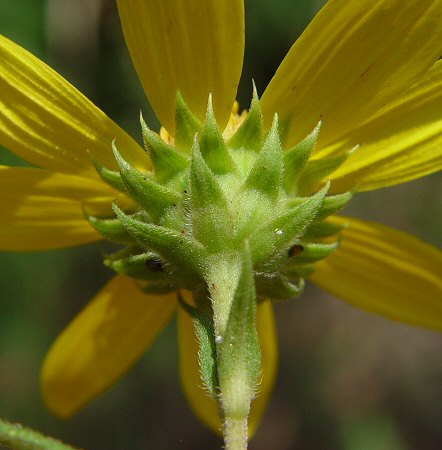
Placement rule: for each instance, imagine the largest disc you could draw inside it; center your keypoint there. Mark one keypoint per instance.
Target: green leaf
(332, 204)
(111, 229)
(176, 248)
(301, 271)
(278, 287)
(109, 176)
(186, 125)
(297, 158)
(239, 354)
(144, 266)
(313, 252)
(321, 230)
(151, 196)
(207, 348)
(167, 162)
(209, 209)
(249, 134)
(317, 171)
(212, 145)
(250, 209)
(266, 173)
(275, 237)
(157, 288)
(17, 437)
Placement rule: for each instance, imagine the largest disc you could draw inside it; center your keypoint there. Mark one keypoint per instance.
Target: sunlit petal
(108, 336)
(41, 210)
(385, 271)
(353, 59)
(401, 142)
(47, 122)
(203, 406)
(194, 46)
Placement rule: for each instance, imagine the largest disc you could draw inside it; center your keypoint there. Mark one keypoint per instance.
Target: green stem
(235, 433)
(20, 438)
(232, 297)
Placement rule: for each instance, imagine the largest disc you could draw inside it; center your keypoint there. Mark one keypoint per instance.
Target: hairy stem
(237, 348)
(20, 438)
(235, 433)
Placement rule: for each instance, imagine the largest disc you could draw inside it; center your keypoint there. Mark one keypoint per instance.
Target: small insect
(154, 265)
(295, 250)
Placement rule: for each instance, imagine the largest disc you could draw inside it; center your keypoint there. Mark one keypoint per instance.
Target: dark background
(348, 380)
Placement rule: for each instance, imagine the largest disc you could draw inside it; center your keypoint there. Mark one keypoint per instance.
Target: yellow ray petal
(47, 122)
(194, 46)
(401, 142)
(385, 271)
(42, 210)
(108, 336)
(25, 180)
(353, 59)
(203, 406)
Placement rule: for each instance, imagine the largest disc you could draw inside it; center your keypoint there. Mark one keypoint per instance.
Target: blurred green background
(347, 381)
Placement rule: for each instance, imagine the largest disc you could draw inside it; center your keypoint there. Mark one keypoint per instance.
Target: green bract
(232, 221)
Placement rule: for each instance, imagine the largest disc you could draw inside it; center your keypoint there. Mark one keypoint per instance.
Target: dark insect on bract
(295, 250)
(154, 265)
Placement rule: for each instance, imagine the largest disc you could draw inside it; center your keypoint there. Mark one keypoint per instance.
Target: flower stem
(235, 433)
(238, 356)
(20, 438)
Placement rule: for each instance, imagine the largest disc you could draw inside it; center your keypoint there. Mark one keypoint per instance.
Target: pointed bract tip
(326, 186)
(143, 122)
(317, 128)
(275, 123)
(210, 113)
(255, 96)
(186, 125)
(119, 212)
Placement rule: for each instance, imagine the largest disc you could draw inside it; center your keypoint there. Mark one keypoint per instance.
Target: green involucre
(206, 195)
(233, 221)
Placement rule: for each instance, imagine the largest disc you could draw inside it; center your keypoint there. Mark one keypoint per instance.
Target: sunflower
(354, 106)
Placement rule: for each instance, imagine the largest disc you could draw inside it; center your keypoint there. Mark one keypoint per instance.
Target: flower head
(354, 106)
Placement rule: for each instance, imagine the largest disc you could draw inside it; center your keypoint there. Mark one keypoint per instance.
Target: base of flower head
(207, 195)
(233, 219)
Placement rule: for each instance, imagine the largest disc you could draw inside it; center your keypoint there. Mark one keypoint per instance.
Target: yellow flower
(367, 68)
